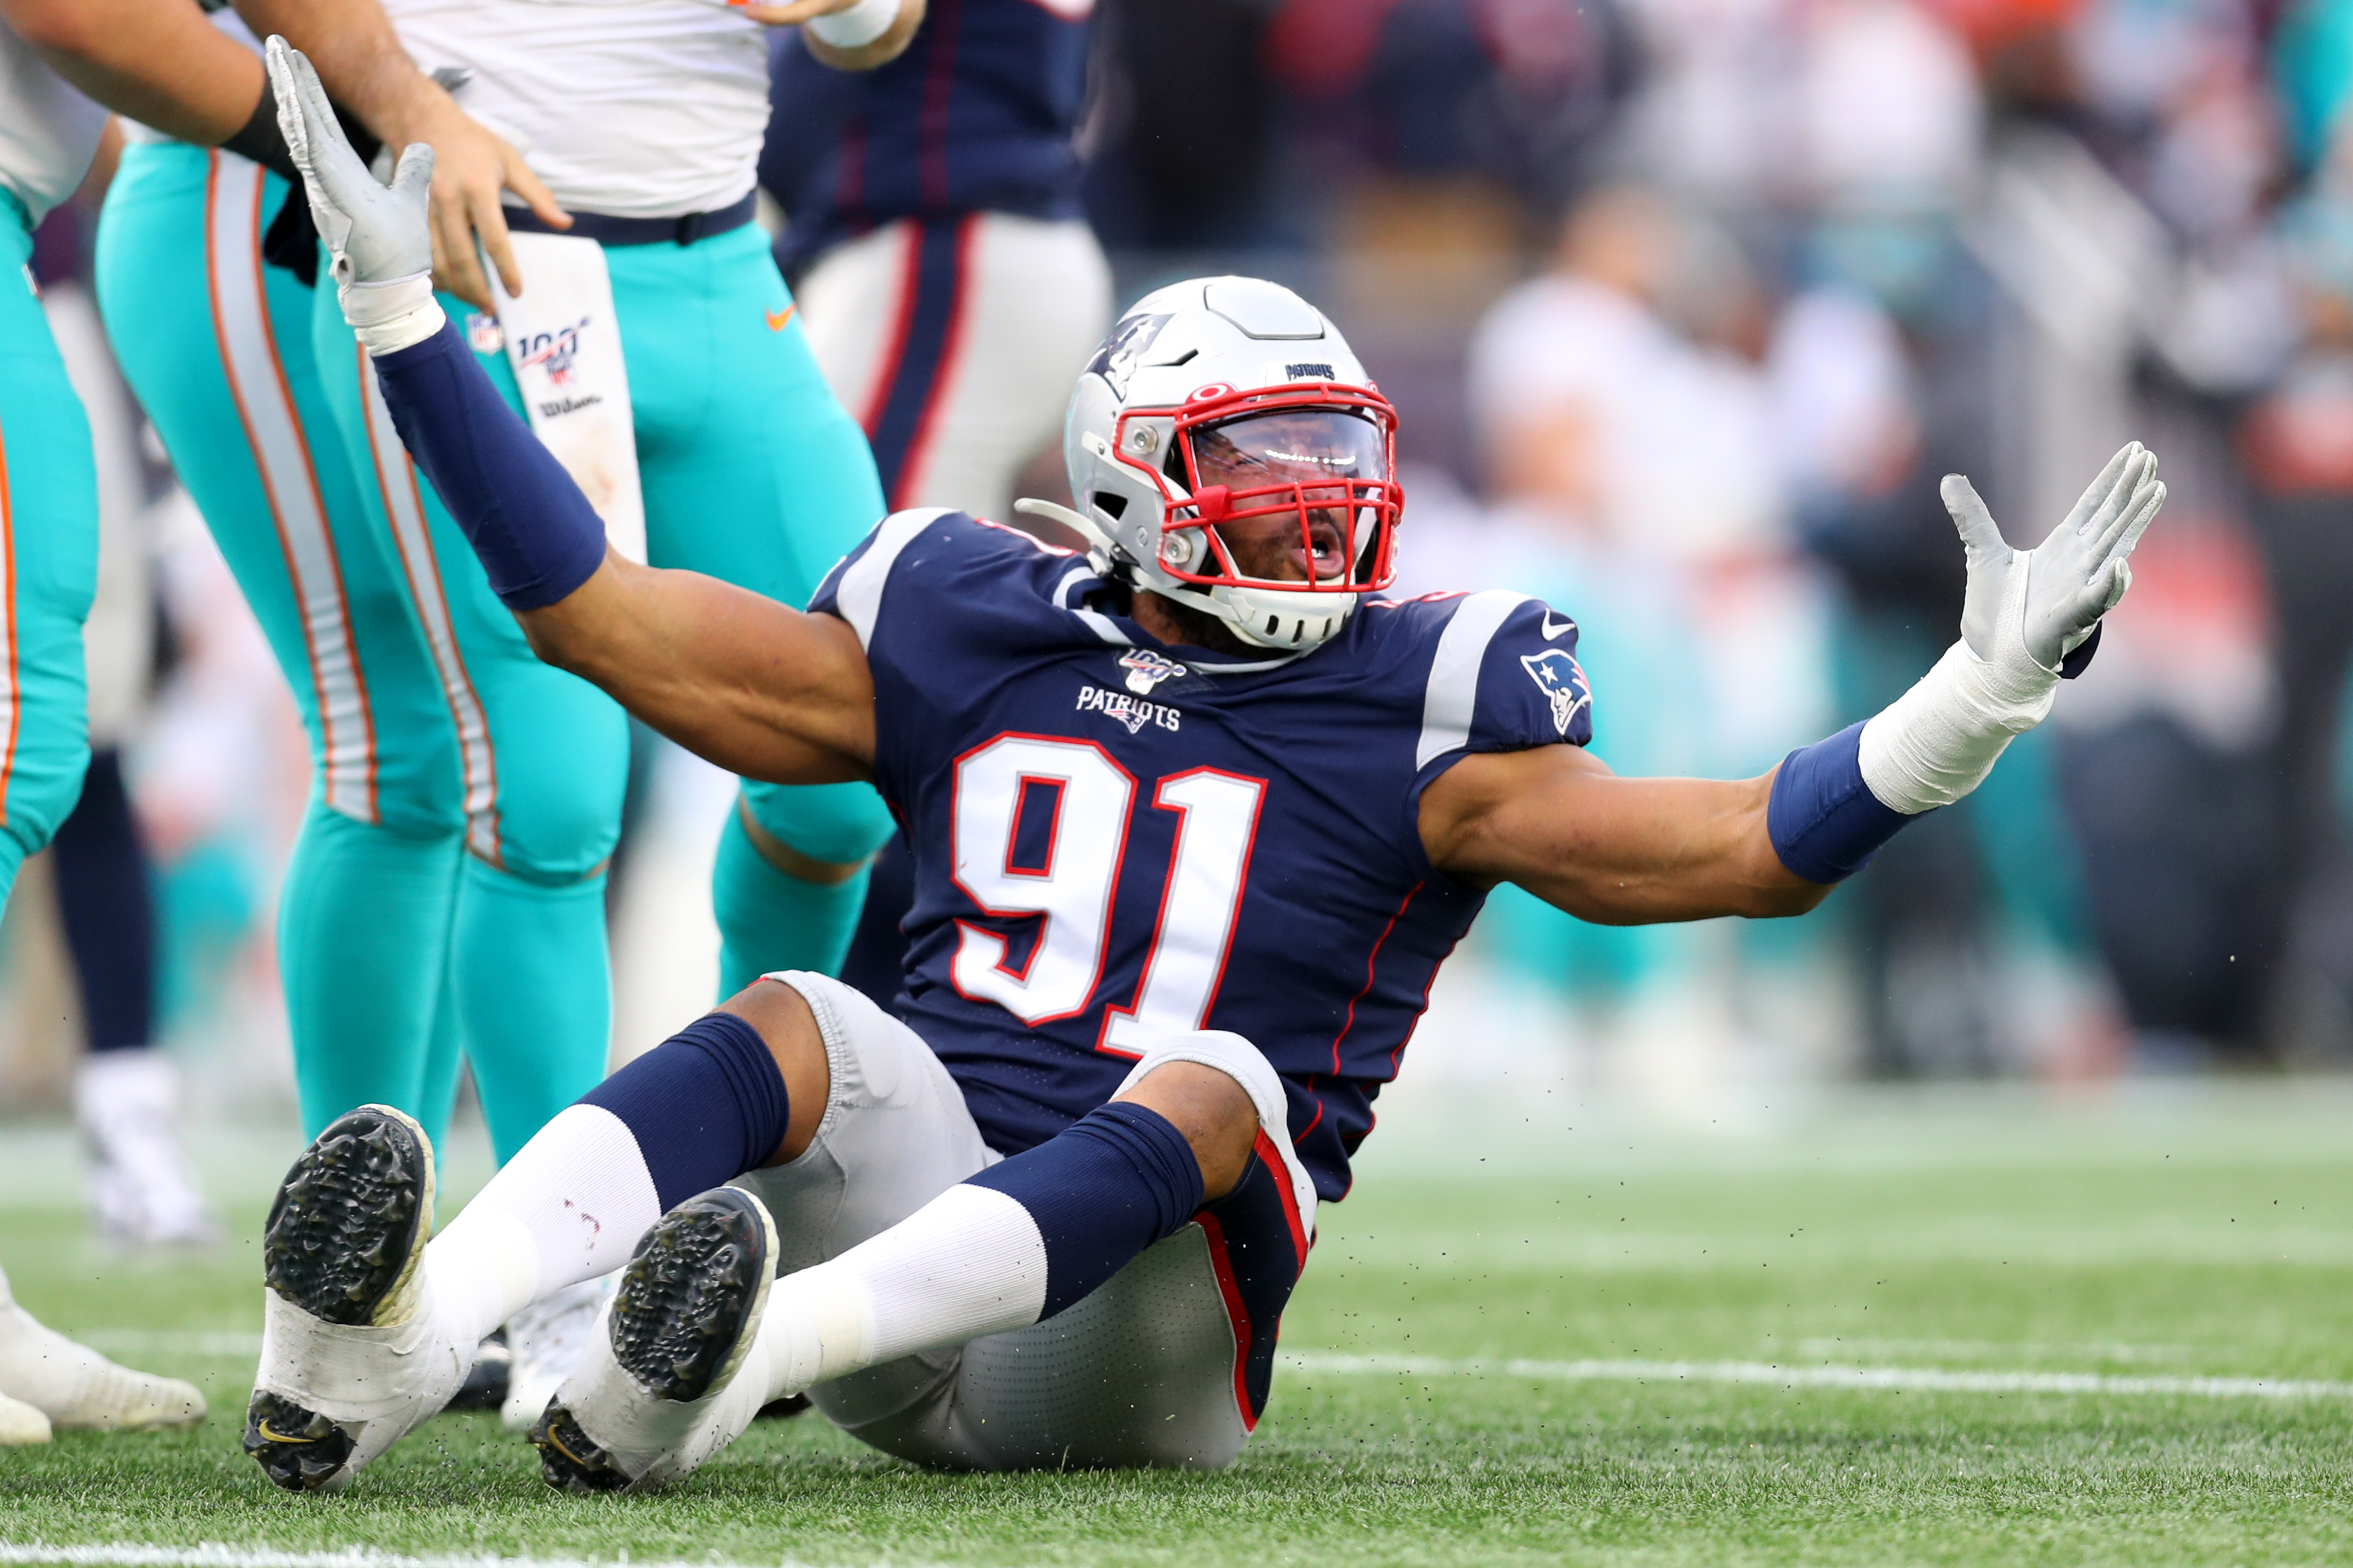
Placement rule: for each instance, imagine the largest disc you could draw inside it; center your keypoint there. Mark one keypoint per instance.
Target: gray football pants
(1166, 1364)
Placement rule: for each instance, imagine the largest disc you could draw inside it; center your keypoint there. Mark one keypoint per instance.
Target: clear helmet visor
(1294, 497)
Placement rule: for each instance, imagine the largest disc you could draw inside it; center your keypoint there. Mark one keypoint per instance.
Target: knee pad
(550, 832)
(1247, 1066)
(839, 824)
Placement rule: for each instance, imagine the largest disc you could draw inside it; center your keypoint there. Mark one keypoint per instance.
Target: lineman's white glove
(2025, 611)
(382, 244)
(2067, 582)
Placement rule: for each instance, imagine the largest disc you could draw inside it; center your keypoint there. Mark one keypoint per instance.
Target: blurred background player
(127, 1092)
(159, 61)
(469, 797)
(948, 278)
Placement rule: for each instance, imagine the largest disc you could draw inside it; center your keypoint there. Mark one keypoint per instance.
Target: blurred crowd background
(1686, 306)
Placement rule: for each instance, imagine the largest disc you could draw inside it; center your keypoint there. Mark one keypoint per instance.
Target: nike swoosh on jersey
(1553, 628)
(776, 319)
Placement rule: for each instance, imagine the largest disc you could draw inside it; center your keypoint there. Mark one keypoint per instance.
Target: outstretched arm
(1631, 852)
(1613, 851)
(761, 689)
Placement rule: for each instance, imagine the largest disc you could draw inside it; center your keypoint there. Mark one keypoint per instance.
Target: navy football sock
(705, 1106)
(1115, 1182)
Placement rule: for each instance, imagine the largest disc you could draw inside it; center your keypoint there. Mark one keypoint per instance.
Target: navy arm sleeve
(537, 536)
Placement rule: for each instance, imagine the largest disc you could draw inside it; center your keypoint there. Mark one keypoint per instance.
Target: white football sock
(569, 1207)
(969, 1263)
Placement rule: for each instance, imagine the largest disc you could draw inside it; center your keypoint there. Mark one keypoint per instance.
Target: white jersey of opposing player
(635, 108)
(49, 133)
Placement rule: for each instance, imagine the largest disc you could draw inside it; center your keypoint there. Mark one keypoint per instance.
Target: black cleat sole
(569, 1459)
(343, 1236)
(297, 1450)
(689, 1292)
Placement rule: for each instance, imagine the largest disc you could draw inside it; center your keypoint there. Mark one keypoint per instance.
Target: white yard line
(1897, 1379)
(219, 1554)
(1988, 1350)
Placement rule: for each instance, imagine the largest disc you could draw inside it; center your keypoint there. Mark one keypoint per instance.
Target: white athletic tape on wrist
(858, 26)
(388, 316)
(1937, 742)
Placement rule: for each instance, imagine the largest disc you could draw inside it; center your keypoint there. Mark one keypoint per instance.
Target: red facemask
(1319, 455)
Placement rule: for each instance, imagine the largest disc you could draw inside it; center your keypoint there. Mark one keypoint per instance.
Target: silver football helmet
(1228, 451)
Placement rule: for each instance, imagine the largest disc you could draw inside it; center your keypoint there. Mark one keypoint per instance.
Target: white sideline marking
(220, 1554)
(1898, 1378)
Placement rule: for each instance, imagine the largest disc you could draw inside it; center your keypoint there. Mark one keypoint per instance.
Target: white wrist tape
(858, 26)
(393, 315)
(1938, 740)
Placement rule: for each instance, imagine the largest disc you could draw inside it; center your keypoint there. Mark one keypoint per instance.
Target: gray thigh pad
(1140, 1373)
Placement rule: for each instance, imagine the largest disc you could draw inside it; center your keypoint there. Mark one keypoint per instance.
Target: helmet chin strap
(1085, 527)
(1108, 556)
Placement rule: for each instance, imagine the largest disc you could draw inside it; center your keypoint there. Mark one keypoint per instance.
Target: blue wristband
(1824, 821)
(537, 536)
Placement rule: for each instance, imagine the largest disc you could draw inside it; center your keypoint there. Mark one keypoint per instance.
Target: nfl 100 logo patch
(1147, 669)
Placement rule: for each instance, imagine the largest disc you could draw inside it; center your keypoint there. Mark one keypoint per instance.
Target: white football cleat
(677, 1373)
(71, 1384)
(547, 1340)
(352, 1357)
(21, 1424)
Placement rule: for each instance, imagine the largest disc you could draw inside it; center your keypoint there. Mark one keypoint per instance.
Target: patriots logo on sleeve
(1562, 680)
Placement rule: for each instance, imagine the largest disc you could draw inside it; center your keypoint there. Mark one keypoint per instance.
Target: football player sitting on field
(1195, 819)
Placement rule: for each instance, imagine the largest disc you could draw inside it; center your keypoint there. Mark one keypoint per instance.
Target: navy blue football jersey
(976, 116)
(1116, 840)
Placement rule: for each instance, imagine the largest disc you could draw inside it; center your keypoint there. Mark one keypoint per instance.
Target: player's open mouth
(1325, 559)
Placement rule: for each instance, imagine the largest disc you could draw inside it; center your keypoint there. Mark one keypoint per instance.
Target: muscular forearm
(162, 64)
(1610, 850)
(739, 679)
(717, 669)
(1646, 850)
(351, 43)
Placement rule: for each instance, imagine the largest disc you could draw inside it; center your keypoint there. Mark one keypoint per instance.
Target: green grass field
(1967, 1328)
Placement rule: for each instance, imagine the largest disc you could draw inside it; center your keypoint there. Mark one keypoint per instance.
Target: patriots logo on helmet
(1147, 669)
(1562, 680)
(1116, 361)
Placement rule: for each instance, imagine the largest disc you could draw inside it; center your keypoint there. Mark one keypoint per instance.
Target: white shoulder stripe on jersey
(1446, 710)
(1102, 626)
(859, 595)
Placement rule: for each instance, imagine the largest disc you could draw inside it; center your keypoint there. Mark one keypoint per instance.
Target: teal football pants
(753, 473)
(219, 349)
(49, 563)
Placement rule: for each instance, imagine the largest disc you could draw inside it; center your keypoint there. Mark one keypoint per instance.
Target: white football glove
(379, 237)
(2062, 588)
(2025, 611)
